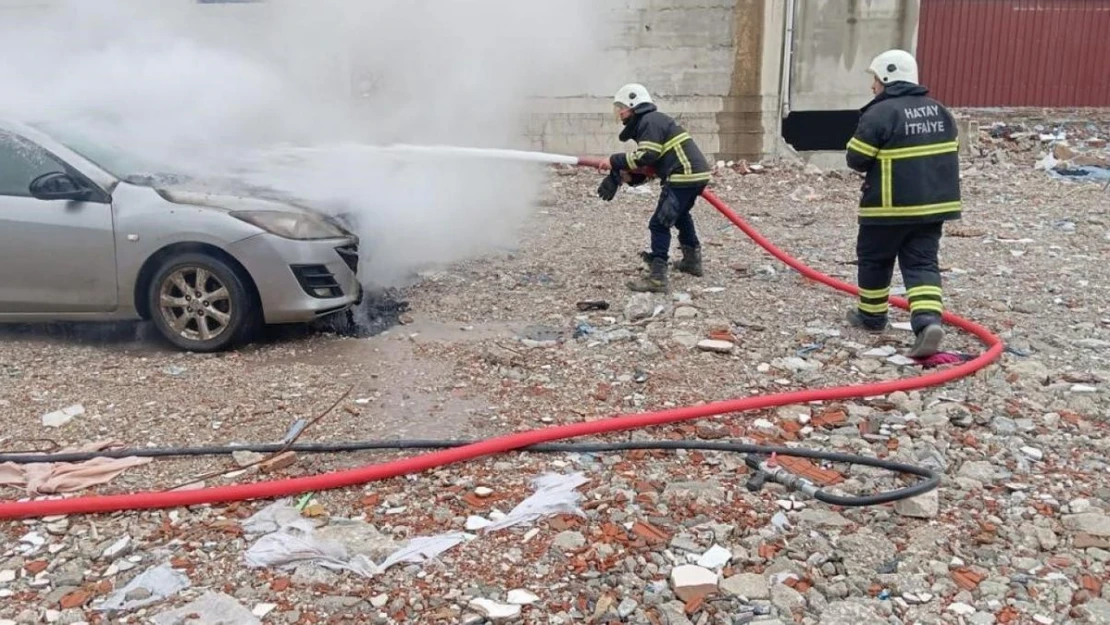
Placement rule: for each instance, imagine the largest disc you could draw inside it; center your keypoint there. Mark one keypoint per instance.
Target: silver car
(84, 241)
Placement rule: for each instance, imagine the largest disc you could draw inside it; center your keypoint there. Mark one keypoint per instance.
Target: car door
(57, 256)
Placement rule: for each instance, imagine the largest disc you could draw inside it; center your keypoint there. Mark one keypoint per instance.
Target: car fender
(146, 224)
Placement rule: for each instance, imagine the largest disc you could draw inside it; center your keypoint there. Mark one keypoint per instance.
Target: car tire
(214, 315)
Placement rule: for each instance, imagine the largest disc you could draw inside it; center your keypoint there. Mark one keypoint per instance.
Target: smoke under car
(86, 238)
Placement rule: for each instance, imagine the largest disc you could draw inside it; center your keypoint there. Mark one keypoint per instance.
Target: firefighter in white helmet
(664, 150)
(906, 147)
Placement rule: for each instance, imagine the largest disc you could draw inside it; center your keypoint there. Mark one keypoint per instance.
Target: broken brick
(650, 533)
(75, 599)
(281, 461)
(966, 578)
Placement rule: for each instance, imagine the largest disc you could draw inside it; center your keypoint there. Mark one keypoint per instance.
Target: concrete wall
(701, 59)
(834, 42)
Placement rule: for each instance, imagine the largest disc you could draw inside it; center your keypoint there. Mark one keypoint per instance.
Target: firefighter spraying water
(665, 150)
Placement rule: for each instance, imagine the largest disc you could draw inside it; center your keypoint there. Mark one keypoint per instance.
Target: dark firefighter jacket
(906, 144)
(664, 146)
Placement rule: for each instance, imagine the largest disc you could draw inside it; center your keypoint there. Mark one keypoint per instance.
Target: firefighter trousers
(916, 248)
(673, 211)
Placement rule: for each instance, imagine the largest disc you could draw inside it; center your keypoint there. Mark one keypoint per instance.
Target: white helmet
(893, 66)
(632, 94)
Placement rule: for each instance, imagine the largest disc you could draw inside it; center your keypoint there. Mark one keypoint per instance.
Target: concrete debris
(925, 506)
(211, 608)
(494, 611)
(522, 597)
(689, 581)
(62, 417)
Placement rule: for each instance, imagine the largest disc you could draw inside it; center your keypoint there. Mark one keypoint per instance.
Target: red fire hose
(617, 423)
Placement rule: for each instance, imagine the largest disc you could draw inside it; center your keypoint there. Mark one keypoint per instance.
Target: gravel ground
(1019, 531)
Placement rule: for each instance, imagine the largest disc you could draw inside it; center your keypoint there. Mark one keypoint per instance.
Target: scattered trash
(583, 329)
(781, 522)
(175, 370)
(212, 608)
(154, 585)
(424, 548)
(589, 305)
(295, 430)
(943, 358)
(290, 539)
(294, 543)
(809, 349)
(555, 494)
(61, 417)
(272, 518)
(49, 478)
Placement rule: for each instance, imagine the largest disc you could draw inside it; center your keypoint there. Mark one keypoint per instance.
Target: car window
(21, 162)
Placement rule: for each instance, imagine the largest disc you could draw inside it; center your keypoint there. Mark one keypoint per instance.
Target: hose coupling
(765, 469)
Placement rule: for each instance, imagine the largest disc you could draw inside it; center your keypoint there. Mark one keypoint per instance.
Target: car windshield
(109, 157)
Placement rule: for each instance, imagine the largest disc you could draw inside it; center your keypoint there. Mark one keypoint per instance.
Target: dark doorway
(819, 130)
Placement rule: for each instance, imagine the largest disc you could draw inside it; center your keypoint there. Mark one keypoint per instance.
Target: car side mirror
(59, 186)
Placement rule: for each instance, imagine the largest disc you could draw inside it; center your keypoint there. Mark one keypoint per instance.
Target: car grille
(349, 254)
(317, 281)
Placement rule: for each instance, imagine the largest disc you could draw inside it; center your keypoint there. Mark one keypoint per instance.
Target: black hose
(929, 481)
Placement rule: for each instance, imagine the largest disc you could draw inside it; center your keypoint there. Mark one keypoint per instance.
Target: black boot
(929, 335)
(873, 324)
(691, 261)
(656, 282)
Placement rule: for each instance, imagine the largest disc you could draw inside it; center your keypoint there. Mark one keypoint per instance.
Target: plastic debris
(295, 544)
(424, 548)
(158, 584)
(294, 430)
(272, 518)
(555, 494)
(781, 522)
(290, 539)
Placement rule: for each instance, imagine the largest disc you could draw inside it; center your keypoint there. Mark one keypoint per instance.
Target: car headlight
(300, 226)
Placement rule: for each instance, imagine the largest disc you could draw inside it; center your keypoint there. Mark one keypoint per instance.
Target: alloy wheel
(195, 304)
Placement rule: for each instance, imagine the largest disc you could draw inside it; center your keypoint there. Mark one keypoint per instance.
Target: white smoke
(286, 93)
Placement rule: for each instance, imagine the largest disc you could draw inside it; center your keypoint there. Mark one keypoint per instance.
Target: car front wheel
(200, 304)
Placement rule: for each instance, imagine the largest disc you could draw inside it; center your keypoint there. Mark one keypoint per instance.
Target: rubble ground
(1018, 532)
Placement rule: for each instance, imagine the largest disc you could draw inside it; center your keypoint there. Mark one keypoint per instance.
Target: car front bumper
(299, 281)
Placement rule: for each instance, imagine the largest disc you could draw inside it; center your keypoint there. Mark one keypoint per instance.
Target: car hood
(230, 202)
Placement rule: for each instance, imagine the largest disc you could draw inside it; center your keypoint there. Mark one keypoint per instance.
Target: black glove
(636, 180)
(607, 190)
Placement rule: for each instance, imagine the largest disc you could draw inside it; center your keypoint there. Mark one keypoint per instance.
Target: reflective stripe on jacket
(907, 145)
(664, 145)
